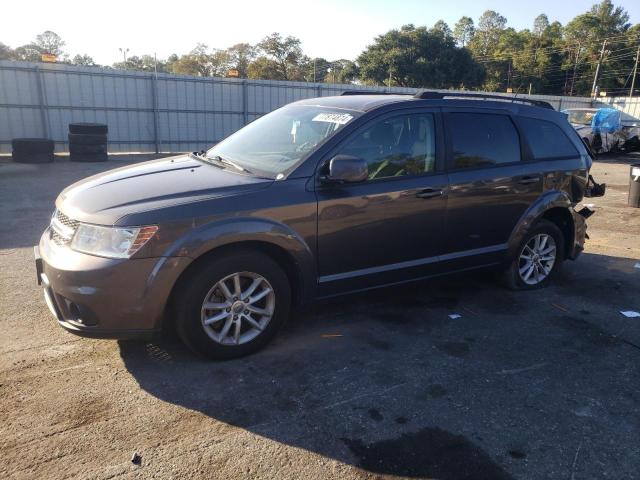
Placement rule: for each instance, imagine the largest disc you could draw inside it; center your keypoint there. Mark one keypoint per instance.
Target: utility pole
(529, 88)
(575, 67)
(314, 70)
(124, 53)
(509, 77)
(595, 77)
(635, 70)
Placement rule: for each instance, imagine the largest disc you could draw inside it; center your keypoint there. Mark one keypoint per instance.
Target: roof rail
(433, 95)
(370, 92)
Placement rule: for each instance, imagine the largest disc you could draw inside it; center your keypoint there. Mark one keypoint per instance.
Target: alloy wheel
(537, 259)
(238, 308)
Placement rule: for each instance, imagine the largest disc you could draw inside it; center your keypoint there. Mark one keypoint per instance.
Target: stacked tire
(32, 150)
(88, 142)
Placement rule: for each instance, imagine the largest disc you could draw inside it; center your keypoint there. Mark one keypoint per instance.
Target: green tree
(587, 32)
(337, 71)
(490, 26)
(199, 62)
(540, 24)
(419, 57)
(27, 53)
(6, 52)
(463, 30)
(263, 68)
(84, 60)
(318, 69)
(282, 58)
(170, 62)
(240, 57)
(50, 42)
(488, 46)
(344, 71)
(442, 27)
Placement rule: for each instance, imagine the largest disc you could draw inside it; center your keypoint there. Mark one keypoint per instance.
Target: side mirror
(346, 169)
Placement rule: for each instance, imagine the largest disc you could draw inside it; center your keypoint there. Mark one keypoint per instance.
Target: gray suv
(322, 197)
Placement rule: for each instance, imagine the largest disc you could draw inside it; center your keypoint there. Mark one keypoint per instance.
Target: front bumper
(103, 297)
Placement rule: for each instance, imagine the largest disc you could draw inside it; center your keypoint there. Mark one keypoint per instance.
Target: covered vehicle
(602, 129)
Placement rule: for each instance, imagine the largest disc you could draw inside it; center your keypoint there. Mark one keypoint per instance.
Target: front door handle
(429, 193)
(528, 180)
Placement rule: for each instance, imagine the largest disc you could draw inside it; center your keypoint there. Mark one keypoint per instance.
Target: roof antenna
(517, 93)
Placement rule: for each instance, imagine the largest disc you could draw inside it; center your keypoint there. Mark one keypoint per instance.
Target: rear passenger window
(480, 139)
(546, 139)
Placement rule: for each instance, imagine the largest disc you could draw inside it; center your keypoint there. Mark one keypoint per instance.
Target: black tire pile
(88, 142)
(32, 150)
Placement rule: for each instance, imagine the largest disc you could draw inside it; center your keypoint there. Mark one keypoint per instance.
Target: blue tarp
(606, 120)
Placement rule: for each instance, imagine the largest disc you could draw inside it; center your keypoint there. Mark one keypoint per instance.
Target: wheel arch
(553, 206)
(563, 219)
(273, 239)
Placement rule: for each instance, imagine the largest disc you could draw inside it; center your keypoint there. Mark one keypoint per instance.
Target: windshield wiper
(226, 161)
(201, 155)
(218, 161)
(221, 162)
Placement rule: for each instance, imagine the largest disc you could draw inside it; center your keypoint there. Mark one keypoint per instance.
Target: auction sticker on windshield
(339, 118)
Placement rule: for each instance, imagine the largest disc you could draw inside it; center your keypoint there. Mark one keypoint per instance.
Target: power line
(564, 48)
(527, 55)
(584, 43)
(565, 68)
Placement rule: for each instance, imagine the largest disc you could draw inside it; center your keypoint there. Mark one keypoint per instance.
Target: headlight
(111, 241)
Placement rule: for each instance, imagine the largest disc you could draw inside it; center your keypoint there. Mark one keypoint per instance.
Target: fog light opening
(74, 311)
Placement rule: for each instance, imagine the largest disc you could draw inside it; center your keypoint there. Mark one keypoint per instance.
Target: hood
(106, 197)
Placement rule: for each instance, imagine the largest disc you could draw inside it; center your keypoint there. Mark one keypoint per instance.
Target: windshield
(580, 117)
(276, 143)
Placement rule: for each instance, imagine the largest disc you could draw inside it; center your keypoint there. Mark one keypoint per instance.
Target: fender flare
(549, 200)
(213, 235)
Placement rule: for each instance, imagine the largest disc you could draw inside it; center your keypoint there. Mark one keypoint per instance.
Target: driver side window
(396, 146)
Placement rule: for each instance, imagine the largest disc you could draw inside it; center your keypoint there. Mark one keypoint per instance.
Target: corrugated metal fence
(147, 112)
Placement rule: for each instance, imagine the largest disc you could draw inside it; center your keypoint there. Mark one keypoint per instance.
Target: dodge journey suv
(319, 198)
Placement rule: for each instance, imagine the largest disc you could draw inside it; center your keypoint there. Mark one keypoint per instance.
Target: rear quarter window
(546, 139)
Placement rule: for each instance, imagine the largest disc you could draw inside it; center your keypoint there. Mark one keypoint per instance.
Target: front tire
(538, 257)
(232, 305)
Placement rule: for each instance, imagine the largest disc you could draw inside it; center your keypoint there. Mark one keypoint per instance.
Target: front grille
(66, 221)
(59, 239)
(62, 228)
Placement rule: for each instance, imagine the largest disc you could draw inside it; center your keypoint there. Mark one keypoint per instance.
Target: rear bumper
(105, 298)
(579, 232)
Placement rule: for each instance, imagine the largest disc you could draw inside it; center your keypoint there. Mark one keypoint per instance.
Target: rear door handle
(528, 180)
(429, 193)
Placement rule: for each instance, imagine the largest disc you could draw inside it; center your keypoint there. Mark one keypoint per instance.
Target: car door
(389, 227)
(491, 183)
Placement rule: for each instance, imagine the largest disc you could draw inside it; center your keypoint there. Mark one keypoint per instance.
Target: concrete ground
(524, 385)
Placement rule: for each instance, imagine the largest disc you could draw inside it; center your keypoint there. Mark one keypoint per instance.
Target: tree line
(548, 58)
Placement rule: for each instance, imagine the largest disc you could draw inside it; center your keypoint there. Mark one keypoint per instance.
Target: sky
(331, 29)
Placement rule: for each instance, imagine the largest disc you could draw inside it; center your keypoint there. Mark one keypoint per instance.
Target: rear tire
(537, 259)
(25, 157)
(202, 287)
(32, 150)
